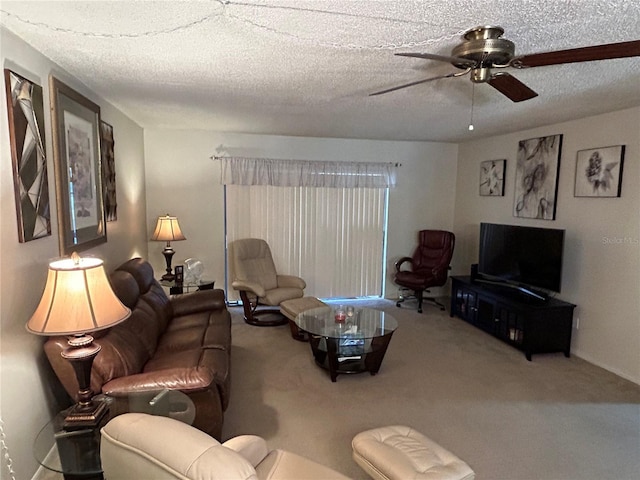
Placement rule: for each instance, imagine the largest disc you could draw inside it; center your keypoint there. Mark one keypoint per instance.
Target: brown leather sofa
(181, 343)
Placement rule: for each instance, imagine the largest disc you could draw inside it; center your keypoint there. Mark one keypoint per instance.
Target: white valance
(302, 173)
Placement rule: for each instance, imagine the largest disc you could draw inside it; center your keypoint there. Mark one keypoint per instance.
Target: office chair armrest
(403, 260)
(252, 287)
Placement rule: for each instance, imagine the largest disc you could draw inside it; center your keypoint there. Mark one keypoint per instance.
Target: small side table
(180, 288)
(76, 454)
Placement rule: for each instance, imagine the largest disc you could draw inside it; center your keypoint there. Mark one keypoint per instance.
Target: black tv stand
(525, 290)
(524, 322)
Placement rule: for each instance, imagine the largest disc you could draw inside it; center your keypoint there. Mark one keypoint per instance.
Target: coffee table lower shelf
(337, 359)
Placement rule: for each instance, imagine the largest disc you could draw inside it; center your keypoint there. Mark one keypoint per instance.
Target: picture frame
(25, 108)
(537, 171)
(599, 172)
(492, 178)
(107, 144)
(77, 162)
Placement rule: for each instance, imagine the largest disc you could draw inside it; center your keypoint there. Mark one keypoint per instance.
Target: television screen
(519, 255)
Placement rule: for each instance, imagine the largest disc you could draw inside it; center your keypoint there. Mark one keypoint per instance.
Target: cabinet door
(510, 325)
(486, 315)
(466, 304)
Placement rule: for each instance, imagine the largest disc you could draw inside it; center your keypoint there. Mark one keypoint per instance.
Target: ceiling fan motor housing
(484, 46)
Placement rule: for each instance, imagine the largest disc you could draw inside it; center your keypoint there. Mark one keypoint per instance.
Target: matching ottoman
(292, 308)
(399, 453)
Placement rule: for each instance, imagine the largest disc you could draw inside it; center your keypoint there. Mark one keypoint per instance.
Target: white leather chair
(255, 277)
(139, 446)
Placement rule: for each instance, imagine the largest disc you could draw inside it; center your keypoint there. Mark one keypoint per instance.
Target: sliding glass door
(334, 238)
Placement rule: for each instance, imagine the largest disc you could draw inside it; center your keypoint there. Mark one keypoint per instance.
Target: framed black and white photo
(537, 170)
(76, 147)
(599, 172)
(492, 178)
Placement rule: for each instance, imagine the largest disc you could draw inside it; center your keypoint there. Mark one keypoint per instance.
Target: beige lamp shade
(167, 230)
(77, 298)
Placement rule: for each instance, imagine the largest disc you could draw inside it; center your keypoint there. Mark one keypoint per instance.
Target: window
(333, 237)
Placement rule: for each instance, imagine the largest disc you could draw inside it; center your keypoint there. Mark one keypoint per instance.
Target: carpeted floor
(550, 419)
(509, 419)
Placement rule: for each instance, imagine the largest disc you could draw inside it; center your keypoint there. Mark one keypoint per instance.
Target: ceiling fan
(482, 50)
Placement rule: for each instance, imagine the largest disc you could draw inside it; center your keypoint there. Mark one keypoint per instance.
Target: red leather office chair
(428, 267)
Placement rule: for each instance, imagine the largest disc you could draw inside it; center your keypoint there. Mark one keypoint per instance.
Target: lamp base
(85, 416)
(168, 254)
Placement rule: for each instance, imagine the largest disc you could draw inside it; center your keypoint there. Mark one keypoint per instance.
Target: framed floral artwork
(77, 161)
(599, 172)
(492, 178)
(537, 171)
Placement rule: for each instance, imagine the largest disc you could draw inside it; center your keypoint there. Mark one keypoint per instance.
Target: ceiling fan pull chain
(473, 95)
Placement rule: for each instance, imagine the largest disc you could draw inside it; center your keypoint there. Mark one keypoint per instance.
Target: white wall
(184, 181)
(602, 251)
(27, 389)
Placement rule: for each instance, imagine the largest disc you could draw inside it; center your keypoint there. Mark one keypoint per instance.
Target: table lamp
(77, 300)
(168, 230)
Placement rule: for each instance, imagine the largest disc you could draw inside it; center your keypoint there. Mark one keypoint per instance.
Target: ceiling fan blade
(457, 61)
(573, 55)
(448, 75)
(511, 87)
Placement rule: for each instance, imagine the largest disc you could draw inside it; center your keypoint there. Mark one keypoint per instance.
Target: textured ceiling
(306, 68)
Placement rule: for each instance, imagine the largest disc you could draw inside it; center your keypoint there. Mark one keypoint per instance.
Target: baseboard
(608, 368)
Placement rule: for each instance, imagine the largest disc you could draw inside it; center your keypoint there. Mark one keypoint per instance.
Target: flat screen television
(526, 258)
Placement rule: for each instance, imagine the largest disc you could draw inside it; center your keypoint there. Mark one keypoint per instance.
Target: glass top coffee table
(347, 339)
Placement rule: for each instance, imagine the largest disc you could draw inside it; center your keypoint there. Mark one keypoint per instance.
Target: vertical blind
(324, 221)
(331, 237)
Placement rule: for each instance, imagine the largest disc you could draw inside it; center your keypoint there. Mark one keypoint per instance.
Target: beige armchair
(255, 277)
(137, 445)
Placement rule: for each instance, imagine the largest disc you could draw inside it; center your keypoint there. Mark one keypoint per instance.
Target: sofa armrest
(185, 379)
(200, 301)
(251, 447)
(291, 281)
(255, 288)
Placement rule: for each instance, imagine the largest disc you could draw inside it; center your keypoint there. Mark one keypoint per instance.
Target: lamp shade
(167, 230)
(77, 298)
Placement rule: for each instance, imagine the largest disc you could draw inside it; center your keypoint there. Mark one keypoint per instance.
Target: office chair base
(418, 296)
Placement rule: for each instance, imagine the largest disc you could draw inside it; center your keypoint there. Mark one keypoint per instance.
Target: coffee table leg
(374, 358)
(332, 357)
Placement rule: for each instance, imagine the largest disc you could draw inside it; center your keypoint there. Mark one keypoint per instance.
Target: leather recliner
(256, 278)
(178, 343)
(138, 445)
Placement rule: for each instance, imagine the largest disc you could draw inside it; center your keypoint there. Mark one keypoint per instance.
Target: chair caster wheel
(419, 310)
(398, 304)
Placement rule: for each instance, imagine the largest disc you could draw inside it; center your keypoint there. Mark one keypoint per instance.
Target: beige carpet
(509, 419)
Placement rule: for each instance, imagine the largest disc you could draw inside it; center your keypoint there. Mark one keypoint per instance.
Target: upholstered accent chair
(142, 446)
(428, 267)
(259, 284)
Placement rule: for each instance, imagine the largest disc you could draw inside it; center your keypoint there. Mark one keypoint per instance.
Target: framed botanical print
(599, 172)
(492, 178)
(77, 162)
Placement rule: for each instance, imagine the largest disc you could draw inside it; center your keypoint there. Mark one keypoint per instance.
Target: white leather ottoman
(292, 308)
(398, 452)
